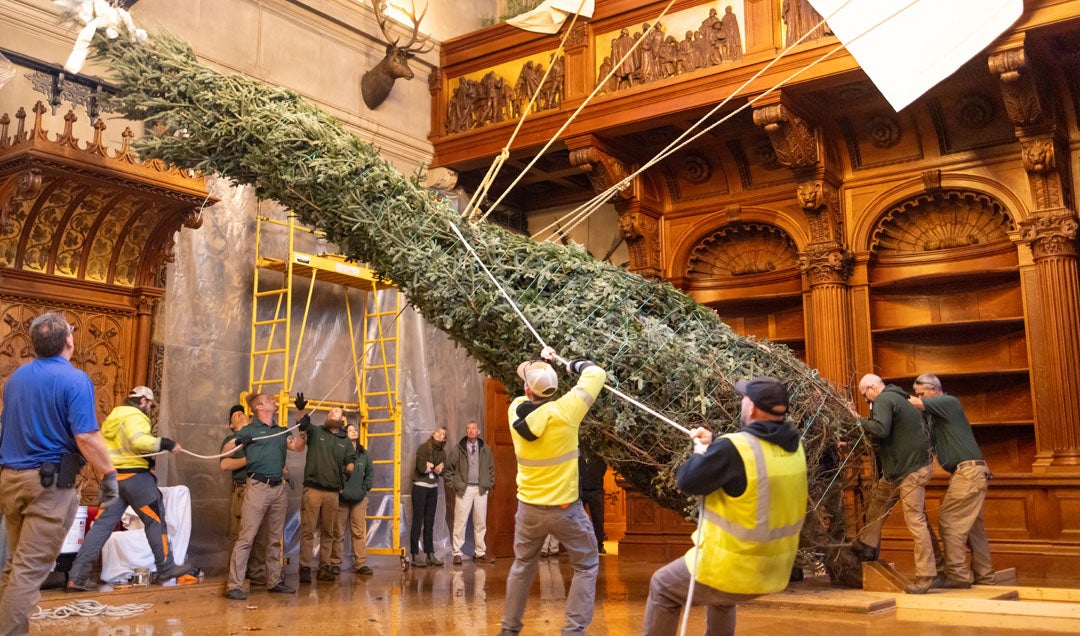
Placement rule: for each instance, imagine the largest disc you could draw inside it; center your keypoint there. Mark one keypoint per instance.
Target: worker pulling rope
(544, 345)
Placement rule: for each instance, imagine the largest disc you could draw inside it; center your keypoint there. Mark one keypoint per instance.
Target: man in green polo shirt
(960, 518)
(237, 463)
(264, 448)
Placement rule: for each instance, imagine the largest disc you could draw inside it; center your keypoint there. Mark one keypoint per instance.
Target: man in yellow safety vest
(754, 483)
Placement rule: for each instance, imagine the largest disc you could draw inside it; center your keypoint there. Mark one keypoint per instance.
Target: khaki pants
(911, 493)
(256, 567)
(667, 595)
(961, 524)
(318, 511)
(261, 501)
(38, 520)
(475, 503)
(354, 516)
(570, 526)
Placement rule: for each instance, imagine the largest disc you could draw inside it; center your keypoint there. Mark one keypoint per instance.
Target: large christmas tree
(656, 343)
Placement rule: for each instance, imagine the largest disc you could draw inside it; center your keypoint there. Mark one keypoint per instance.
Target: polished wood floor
(467, 600)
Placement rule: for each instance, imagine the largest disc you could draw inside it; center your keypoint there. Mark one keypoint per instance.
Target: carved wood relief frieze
(941, 221)
(662, 53)
(742, 249)
(496, 95)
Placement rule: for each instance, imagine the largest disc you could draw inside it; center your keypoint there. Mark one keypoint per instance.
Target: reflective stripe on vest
(550, 461)
(761, 532)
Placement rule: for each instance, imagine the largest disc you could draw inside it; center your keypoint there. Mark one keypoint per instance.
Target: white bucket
(74, 539)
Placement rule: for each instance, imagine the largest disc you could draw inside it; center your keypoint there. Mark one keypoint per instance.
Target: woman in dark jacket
(430, 457)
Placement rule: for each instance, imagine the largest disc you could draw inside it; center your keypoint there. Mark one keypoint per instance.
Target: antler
(425, 45)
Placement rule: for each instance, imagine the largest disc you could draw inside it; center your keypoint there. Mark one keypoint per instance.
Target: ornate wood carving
(578, 38)
(826, 262)
(1036, 127)
(1051, 235)
(939, 221)
(742, 249)
(793, 139)
(84, 213)
(801, 18)
(642, 234)
(493, 98)
(603, 170)
(87, 230)
(1018, 87)
(660, 55)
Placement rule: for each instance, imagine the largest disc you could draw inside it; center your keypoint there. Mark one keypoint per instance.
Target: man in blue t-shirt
(48, 419)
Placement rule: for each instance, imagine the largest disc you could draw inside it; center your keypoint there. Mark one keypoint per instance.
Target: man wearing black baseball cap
(738, 554)
(237, 463)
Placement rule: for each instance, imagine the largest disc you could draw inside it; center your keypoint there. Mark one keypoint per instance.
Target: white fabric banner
(125, 551)
(551, 14)
(910, 52)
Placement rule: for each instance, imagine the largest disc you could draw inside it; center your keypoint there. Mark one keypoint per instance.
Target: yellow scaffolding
(274, 354)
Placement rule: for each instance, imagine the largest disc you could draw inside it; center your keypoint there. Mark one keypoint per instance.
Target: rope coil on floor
(88, 608)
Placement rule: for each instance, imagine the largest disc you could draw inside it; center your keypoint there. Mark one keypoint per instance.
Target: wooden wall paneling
(502, 502)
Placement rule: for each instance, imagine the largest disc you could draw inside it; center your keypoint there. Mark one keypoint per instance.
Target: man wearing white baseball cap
(545, 435)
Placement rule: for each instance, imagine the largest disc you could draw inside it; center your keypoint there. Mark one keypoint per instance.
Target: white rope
(496, 165)
(591, 206)
(543, 344)
(559, 132)
(88, 608)
(693, 573)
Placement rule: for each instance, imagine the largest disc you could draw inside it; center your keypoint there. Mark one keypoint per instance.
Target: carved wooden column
(825, 261)
(144, 312)
(1051, 233)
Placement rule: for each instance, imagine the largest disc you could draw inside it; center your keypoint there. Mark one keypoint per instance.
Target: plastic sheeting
(203, 331)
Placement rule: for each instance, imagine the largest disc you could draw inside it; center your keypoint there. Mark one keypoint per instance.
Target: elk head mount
(376, 83)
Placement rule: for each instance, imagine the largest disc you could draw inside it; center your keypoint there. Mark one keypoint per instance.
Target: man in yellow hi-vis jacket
(545, 434)
(754, 483)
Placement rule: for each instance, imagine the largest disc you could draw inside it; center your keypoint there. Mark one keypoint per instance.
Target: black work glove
(301, 403)
(577, 365)
(304, 422)
(108, 491)
(243, 440)
(167, 444)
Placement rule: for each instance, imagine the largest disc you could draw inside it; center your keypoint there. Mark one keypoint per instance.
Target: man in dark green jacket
(960, 518)
(330, 455)
(352, 506)
(906, 467)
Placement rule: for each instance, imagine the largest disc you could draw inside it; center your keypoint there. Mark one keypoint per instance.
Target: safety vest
(547, 467)
(747, 544)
